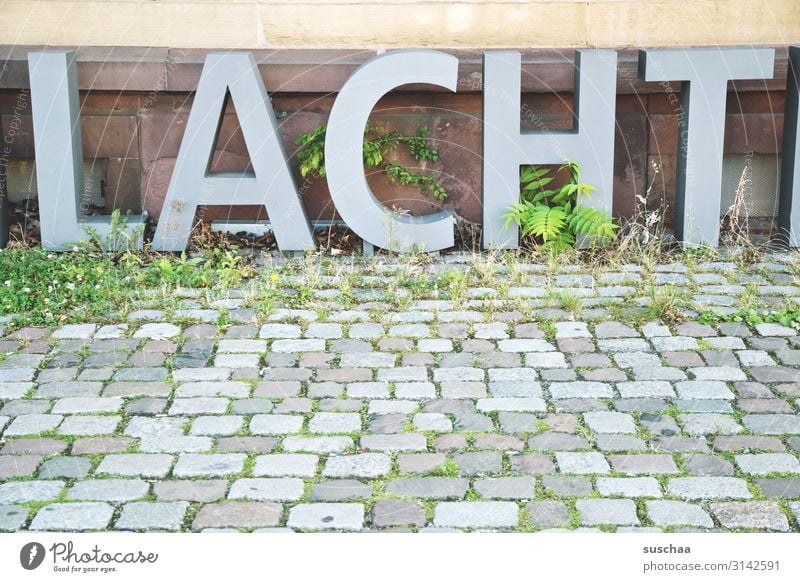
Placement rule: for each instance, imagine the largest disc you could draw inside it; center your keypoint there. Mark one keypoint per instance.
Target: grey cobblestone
(628, 487)
(27, 491)
(12, 517)
(205, 490)
(32, 424)
(286, 465)
(643, 464)
(108, 490)
(275, 424)
(607, 511)
(766, 463)
(175, 444)
(478, 515)
(290, 489)
(334, 422)
(669, 513)
(750, 515)
(131, 465)
(194, 465)
(324, 516)
(340, 490)
(152, 516)
(709, 488)
(610, 422)
(505, 488)
(581, 463)
(319, 445)
(73, 517)
(769, 424)
(64, 468)
(89, 425)
(429, 487)
(708, 465)
(395, 512)
(361, 465)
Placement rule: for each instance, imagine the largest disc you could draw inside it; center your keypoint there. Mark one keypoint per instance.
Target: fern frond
(543, 221)
(590, 221)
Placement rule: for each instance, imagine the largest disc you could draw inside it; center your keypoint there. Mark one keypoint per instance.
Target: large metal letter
(271, 184)
(789, 208)
(59, 153)
(344, 140)
(506, 147)
(705, 74)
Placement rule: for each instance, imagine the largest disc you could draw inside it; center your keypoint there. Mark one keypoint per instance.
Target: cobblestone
(325, 516)
(607, 511)
(361, 465)
(709, 488)
(73, 517)
(152, 516)
(131, 465)
(108, 490)
(12, 517)
(477, 515)
(194, 465)
(267, 489)
(286, 465)
(766, 463)
(628, 487)
(669, 513)
(765, 515)
(238, 514)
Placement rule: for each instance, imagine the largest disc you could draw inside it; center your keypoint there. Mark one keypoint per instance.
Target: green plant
(179, 272)
(665, 303)
(788, 316)
(378, 145)
(118, 241)
(227, 263)
(42, 287)
(447, 469)
(301, 298)
(554, 217)
(472, 495)
(217, 266)
(570, 302)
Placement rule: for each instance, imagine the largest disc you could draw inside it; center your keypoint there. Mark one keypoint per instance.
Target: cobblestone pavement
(496, 412)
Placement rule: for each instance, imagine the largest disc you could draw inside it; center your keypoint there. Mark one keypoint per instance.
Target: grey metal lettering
(351, 194)
(789, 207)
(506, 147)
(270, 184)
(59, 154)
(705, 74)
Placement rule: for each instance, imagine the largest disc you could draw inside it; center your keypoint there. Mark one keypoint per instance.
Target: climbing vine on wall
(378, 145)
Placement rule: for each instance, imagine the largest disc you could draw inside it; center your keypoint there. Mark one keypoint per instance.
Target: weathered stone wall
(399, 23)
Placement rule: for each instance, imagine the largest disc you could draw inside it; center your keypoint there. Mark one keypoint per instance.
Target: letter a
(271, 184)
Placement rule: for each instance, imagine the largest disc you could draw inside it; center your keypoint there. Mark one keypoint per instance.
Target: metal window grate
(758, 176)
(22, 180)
